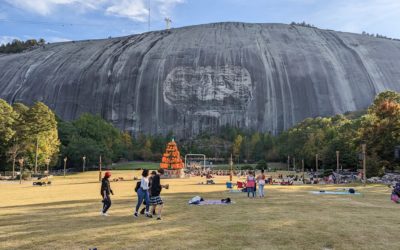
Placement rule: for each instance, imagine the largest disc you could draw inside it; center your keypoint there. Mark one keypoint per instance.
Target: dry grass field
(65, 215)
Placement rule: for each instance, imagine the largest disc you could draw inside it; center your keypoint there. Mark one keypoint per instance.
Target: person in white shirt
(143, 194)
(261, 183)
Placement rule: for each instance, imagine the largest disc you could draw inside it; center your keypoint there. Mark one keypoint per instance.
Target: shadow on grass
(281, 220)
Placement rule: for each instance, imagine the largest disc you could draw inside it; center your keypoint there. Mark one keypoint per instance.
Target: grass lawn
(271, 165)
(65, 215)
(135, 165)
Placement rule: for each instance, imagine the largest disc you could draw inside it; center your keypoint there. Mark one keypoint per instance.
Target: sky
(66, 20)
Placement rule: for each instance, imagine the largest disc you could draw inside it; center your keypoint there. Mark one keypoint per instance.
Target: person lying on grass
(105, 192)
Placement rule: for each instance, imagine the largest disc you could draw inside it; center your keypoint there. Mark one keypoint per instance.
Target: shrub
(261, 165)
(247, 167)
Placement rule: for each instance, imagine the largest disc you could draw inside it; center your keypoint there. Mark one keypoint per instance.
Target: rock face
(260, 76)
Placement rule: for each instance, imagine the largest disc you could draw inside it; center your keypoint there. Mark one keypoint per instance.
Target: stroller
(395, 197)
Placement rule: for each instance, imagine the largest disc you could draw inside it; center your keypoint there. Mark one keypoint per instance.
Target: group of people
(252, 181)
(148, 190)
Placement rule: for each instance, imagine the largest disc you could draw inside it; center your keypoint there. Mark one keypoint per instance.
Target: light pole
(288, 163)
(65, 165)
(231, 165)
(47, 162)
(84, 163)
(21, 166)
(294, 164)
(13, 168)
(36, 154)
(337, 162)
(364, 148)
(302, 168)
(100, 169)
(316, 162)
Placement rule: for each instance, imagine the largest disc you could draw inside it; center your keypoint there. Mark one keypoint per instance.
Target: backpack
(137, 186)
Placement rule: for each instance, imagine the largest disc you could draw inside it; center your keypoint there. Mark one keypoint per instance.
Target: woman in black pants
(105, 192)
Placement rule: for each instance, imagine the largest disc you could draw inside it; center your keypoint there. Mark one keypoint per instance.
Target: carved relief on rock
(208, 88)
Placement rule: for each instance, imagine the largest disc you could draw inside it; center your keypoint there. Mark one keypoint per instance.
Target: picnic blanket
(335, 192)
(235, 191)
(212, 202)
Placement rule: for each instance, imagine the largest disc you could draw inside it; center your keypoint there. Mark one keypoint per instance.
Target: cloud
(133, 9)
(7, 39)
(355, 16)
(166, 6)
(136, 10)
(55, 39)
(46, 7)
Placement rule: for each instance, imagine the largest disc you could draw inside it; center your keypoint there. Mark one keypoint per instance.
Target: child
(261, 183)
(105, 193)
(155, 190)
(250, 184)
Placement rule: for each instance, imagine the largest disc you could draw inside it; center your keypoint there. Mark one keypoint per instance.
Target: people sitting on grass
(143, 194)
(261, 184)
(250, 184)
(105, 192)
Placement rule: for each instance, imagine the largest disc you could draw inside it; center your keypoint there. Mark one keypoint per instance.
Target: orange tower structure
(171, 159)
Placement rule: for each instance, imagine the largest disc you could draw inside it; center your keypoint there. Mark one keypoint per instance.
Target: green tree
(41, 130)
(7, 120)
(102, 139)
(20, 140)
(380, 130)
(262, 164)
(237, 145)
(7, 131)
(256, 146)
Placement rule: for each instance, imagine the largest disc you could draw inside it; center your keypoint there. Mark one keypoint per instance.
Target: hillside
(265, 77)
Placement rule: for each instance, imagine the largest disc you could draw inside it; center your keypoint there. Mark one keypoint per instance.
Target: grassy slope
(66, 216)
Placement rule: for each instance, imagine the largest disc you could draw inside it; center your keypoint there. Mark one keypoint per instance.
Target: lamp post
(294, 164)
(231, 165)
(21, 166)
(65, 165)
(364, 148)
(337, 161)
(47, 162)
(13, 168)
(288, 163)
(36, 155)
(84, 163)
(100, 169)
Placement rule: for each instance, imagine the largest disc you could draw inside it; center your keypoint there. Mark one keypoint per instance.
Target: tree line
(318, 139)
(28, 133)
(27, 130)
(17, 46)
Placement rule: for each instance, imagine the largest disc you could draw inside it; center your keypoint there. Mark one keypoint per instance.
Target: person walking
(105, 192)
(155, 190)
(143, 194)
(261, 184)
(250, 184)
